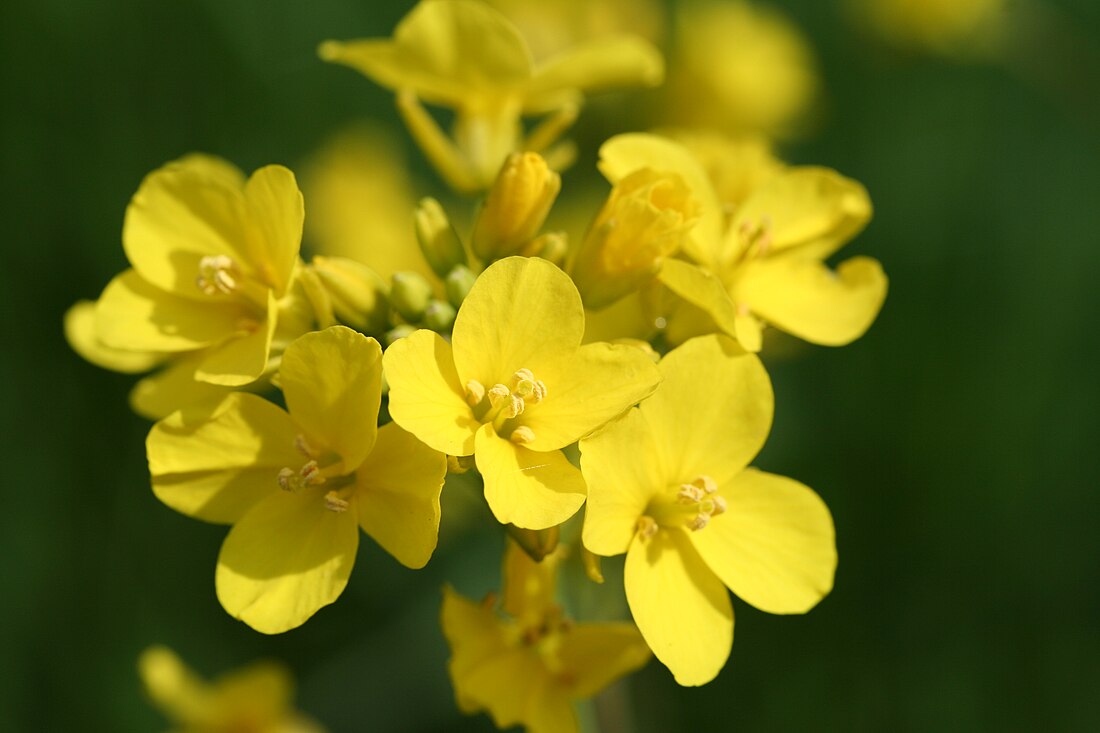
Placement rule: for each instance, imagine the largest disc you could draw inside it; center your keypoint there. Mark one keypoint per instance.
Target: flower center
(755, 239)
(220, 275)
(319, 469)
(502, 403)
(689, 505)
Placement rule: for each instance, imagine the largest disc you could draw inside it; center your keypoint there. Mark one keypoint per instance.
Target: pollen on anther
(719, 505)
(647, 527)
(286, 478)
(475, 392)
(522, 434)
(334, 503)
(698, 522)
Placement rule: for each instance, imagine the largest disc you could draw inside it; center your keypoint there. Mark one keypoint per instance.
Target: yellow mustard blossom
(735, 164)
(763, 262)
(668, 485)
(739, 66)
(953, 27)
(361, 202)
(515, 207)
(464, 55)
(212, 254)
(524, 666)
(515, 388)
(553, 26)
(254, 699)
(297, 485)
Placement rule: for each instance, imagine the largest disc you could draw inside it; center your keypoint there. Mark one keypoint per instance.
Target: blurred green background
(955, 443)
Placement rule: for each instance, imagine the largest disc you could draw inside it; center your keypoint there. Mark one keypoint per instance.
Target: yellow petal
(623, 154)
(549, 711)
(133, 315)
(596, 383)
(521, 313)
(244, 358)
(611, 62)
(426, 396)
(259, 693)
(486, 671)
(712, 412)
(526, 488)
(173, 686)
(529, 586)
(332, 382)
(215, 463)
(680, 606)
(80, 332)
(703, 290)
(806, 299)
(816, 209)
(285, 559)
(172, 388)
(595, 655)
(398, 495)
(184, 211)
(774, 546)
(276, 213)
(622, 472)
(449, 53)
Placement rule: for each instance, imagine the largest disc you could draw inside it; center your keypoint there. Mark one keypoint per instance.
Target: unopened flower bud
(458, 283)
(439, 316)
(410, 294)
(398, 332)
(516, 206)
(552, 246)
(357, 294)
(645, 219)
(537, 543)
(439, 242)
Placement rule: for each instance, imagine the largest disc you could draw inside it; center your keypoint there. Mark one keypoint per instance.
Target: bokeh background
(956, 443)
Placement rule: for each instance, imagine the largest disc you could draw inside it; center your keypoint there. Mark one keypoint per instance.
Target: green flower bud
(458, 283)
(398, 332)
(438, 239)
(439, 316)
(356, 293)
(409, 295)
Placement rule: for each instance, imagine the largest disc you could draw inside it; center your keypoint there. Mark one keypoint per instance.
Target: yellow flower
(465, 55)
(212, 255)
(668, 486)
(515, 388)
(552, 26)
(739, 67)
(525, 666)
(298, 485)
(953, 27)
(763, 262)
(255, 699)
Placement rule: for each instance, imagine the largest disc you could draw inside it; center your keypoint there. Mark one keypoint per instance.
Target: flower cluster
(604, 392)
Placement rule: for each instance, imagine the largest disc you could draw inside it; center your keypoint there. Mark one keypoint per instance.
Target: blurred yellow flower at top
(551, 26)
(464, 55)
(526, 665)
(739, 67)
(212, 255)
(254, 699)
(946, 26)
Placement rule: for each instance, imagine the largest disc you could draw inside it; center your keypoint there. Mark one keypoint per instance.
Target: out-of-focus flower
(466, 56)
(553, 26)
(736, 164)
(297, 485)
(212, 256)
(952, 27)
(526, 664)
(515, 388)
(362, 203)
(738, 66)
(254, 699)
(668, 485)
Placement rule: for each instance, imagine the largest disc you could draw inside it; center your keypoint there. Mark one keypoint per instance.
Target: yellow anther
(217, 275)
(706, 483)
(286, 479)
(498, 393)
(302, 446)
(689, 494)
(522, 375)
(647, 527)
(334, 503)
(311, 474)
(475, 392)
(516, 408)
(522, 434)
(719, 505)
(697, 522)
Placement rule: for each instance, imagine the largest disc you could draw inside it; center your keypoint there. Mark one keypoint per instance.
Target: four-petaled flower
(525, 665)
(297, 485)
(515, 388)
(668, 486)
